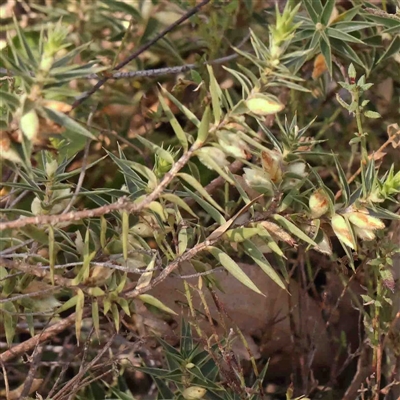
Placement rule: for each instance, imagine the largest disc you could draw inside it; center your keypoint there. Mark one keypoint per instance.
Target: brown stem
(122, 204)
(48, 333)
(142, 49)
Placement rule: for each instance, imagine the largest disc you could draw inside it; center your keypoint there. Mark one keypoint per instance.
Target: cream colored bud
(194, 393)
(342, 231)
(36, 207)
(324, 246)
(318, 203)
(365, 221)
(51, 168)
(143, 230)
(233, 145)
(364, 234)
(217, 155)
(264, 105)
(257, 180)
(30, 125)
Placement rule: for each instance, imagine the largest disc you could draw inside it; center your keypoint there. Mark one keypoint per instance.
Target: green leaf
(352, 26)
(67, 122)
(9, 100)
(343, 36)
(215, 95)
(391, 50)
(151, 300)
(67, 305)
(96, 317)
(188, 114)
(372, 114)
(196, 185)
(80, 303)
(327, 11)
(204, 128)
(162, 153)
(115, 314)
(146, 276)
(24, 44)
(173, 198)
(231, 266)
(311, 11)
(343, 182)
(326, 51)
(179, 132)
(251, 250)
(214, 214)
(9, 318)
(115, 5)
(144, 171)
(125, 234)
(344, 49)
(246, 84)
(241, 234)
(211, 163)
(292, 228)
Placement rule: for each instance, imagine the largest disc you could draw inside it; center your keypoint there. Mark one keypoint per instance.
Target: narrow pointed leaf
(179, 132)
(292, 228)
(231, 266)
(251, 250)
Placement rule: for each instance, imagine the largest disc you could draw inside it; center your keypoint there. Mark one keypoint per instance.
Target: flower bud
(272, 163)
(324, 246)
(264, 105)
(319, 203)
(51, 168)
(143, 230)
(364, 234)
(233, 145)
(365, 221)
(214, 153)
(257, 180)
(29, 124)
(343, 231)
(194, 393)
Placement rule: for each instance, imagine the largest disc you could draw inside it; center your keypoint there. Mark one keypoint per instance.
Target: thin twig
(25, 295)
(148, 73)
(16, 247)
(171, 267)
(6, 384)
(142, 49)
(74, 382)
(36, 357)
(211, 271)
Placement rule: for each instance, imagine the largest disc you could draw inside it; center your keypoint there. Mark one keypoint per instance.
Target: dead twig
(364, 370)
(36, 357)
(136, 54)
(73, 384)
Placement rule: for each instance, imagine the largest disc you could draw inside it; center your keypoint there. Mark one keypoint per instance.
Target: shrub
(253, 173)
